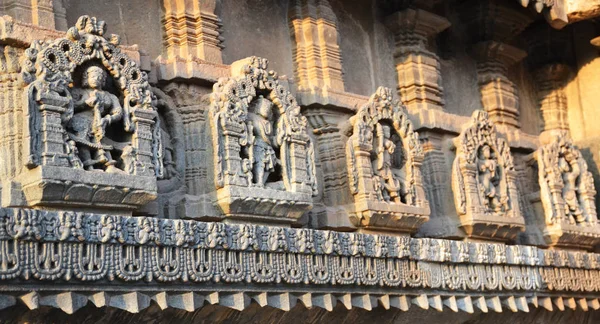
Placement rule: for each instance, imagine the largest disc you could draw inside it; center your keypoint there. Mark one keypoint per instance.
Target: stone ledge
(179, 68)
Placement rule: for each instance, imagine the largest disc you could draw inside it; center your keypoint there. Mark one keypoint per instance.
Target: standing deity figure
(95, 109)
(569, 167)
(260, 128)
(488, 177)
(384, 150)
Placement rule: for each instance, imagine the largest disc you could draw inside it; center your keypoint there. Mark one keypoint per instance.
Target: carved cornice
(179, 257)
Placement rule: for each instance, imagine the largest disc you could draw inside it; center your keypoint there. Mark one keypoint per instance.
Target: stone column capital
(557, 72)
(493, 51)
(417, 21)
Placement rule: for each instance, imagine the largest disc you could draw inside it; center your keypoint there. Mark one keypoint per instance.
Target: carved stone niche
(384, 167)
(484, 183)
(91, 133)
(567, 195)
(264, 168)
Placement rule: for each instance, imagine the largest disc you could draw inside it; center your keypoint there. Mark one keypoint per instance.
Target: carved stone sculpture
(567, 193)
(384, 167)
(263, 157)
(91, 133)
(484, 182)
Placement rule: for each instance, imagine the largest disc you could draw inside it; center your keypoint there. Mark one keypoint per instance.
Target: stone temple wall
(281, 160)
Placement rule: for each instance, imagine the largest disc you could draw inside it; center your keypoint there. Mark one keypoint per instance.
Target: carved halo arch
(49, 67)
(382, 107)
(230, 100)
(481, 132)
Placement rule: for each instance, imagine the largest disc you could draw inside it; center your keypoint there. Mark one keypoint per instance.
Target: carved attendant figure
(95, 109)
(488, 176)
(570, 170)
(384, 149)
(262, 154)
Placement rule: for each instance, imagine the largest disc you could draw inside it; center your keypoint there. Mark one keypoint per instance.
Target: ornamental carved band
(263, 156)
(567, 194)
(91, 133)
(484, 182)
(384, 167)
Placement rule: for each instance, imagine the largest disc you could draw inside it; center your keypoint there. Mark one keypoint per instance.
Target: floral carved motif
(384, 166)
(484, 181)
(262, 150)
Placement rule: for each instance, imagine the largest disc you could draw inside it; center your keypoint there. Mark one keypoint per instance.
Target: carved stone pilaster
(491, 25)
(550, 82)
(191, 41)
(550, 51)
(419, 76)
(44, 13)
(484, 183)
(499, 95)
(384, 167)
(317, 56)
(435, 174)
(567, 194)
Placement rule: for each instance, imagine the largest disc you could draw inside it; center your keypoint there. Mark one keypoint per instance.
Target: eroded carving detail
(484, 181)
(567, 192)
(262, 151)
(384, 160)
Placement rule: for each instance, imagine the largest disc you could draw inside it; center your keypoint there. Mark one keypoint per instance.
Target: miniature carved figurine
(489, 179)
(568, 164)
(95, 109)
(262, 154)
(384, 149)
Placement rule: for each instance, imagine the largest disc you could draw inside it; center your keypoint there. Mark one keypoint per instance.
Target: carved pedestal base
(572, 236)
(263, 204)
(64, 186)
(488, 227)
(375, 214)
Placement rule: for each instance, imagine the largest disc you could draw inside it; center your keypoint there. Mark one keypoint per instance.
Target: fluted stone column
(419, 75)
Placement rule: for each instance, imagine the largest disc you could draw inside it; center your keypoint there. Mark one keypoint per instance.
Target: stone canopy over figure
(92, 134)
(384, 159)
(95, 109)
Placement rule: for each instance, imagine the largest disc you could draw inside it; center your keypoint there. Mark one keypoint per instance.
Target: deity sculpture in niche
(95, 109)
(260, 144)
(567, 194)
(384, 159)
(263, 156)
(495, 195)
(92, 132)
(484, 182)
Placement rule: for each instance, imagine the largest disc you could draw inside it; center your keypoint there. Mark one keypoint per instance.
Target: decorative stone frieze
(555, 11)
(90, 133)
(567, 194)
(263, 156)
(317, 55)
(106, 254)
(384, 167)
(418, 68)
(484, 183)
